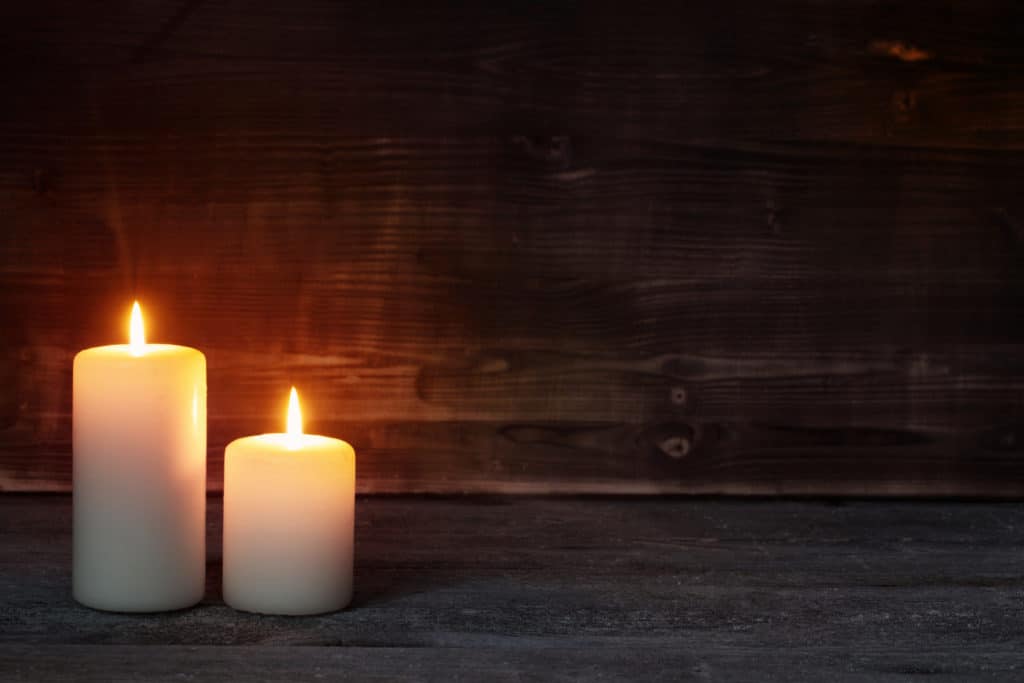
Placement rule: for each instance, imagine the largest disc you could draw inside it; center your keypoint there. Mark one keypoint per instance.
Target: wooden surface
(721, 246)
(560, 589)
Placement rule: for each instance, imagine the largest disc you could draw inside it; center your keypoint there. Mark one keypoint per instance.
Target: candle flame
(138, 332)
(294, 415)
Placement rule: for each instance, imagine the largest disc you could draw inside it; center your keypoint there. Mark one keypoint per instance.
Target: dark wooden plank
(88, 663)
(711, 248)
(273, 663)
(679, 455)
(698, 588)
(784, 70)
(893, 344)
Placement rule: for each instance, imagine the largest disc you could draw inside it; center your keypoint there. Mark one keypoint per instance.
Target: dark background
(708, 247)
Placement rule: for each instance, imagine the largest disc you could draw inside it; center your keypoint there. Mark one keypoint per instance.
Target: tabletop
(514, 588)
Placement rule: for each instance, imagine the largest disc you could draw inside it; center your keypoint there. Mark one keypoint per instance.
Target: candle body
(139, 470)
(289, 508)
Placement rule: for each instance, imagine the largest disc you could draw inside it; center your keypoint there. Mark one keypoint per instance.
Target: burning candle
(139, 471)
(289, 507)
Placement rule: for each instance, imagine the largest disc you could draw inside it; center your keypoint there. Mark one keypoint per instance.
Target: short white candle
(289, 508)
(139, 471)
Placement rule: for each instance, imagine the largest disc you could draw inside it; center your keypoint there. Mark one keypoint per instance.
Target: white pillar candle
(289, 508)
(139, 470)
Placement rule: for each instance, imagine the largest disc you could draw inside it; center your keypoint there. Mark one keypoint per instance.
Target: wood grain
(86, 663)
(712, 249)
(520, 587)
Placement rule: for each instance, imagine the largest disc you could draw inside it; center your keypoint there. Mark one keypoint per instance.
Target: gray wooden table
(597, 589)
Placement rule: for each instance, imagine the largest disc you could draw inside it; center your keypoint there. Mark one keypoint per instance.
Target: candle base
(271, 607)
(102, 603)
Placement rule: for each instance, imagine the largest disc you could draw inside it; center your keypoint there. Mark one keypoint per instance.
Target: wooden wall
(720, 246)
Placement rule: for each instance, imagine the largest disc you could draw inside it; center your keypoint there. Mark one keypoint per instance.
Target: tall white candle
(289, 507)
(139, 469)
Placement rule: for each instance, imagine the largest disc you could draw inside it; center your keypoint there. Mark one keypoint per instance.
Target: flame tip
(137, 331)
(294, 414)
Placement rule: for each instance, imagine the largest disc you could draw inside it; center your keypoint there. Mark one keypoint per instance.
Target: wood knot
(898, 50)
(904, 105)
(675, 446)
(555, 150)
(491, 366)
(678, 395)
(905, 101)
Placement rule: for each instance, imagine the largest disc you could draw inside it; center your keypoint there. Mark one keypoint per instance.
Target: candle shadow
(214, 577)
(401, 554)
(374, 587)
